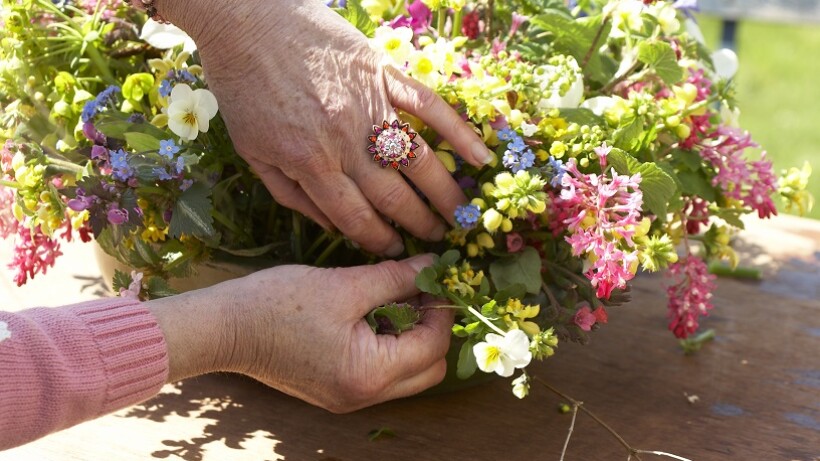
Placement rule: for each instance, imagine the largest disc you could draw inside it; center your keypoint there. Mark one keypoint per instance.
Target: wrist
(197, 332)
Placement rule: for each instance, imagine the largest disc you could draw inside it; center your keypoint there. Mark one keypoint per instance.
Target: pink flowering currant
(690, 295)
(601, 213)
(34, 253)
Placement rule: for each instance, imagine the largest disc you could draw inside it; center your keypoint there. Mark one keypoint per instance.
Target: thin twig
(663, 453)
(571, 427)
(594, 43)
(577, 405)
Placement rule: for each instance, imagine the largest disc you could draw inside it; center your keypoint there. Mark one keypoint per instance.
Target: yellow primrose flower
(394, 43)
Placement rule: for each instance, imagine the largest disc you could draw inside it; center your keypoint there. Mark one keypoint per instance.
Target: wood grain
(758, 389)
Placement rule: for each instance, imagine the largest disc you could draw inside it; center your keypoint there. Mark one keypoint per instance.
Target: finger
(416, 383)
(416, 98)
(386, 282)
(288, 193)
(341, 200)
(433, 179)
(418, 349)
(395, 198)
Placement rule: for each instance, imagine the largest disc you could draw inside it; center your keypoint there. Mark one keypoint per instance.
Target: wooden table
(757, 387)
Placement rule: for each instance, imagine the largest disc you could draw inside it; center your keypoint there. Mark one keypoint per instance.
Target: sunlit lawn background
(779, 90)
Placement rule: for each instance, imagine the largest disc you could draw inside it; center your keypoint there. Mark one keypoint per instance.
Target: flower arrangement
(614, 127)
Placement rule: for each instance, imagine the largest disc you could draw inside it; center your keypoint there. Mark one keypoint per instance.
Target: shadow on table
(247, 410)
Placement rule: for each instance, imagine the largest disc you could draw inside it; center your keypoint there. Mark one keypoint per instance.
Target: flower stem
(71, 167)
(457, 23)
(486, 321)
(328, 251)
(442, 20)
(11, 184)
(569, 432)
(594, 43)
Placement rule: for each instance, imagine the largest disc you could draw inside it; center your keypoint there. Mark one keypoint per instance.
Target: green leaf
(427, 281)
(142, 142)
(381, 433)
(575, 37)
(157, 287)
(521, 268)
(516, 290)
(488, 309)
(693, 183)
(449, 258)
(392, 319)
(730, 215)
(466, 361)
(357, 15)
(459, 331)
(661, 58)
(691, 159)
(192, 214)
(657, 186)
(472, 327)
(581, 117)
(628, 135)
(121, 280)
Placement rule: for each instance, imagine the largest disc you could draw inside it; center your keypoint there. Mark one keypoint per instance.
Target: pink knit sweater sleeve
(63, 366)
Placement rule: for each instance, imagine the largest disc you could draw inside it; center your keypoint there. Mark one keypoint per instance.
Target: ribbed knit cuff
(132, 350)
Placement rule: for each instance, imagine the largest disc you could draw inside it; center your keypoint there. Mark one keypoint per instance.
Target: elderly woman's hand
(301, 330)
(300, 89)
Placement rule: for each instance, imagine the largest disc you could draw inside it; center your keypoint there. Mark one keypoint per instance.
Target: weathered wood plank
(758, 385)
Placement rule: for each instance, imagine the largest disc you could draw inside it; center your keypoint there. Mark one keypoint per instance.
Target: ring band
(393, 144)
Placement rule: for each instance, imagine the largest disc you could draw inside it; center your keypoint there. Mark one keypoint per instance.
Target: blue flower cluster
(467, 215)
(555, 171)
(174, 76)
(122, 171)
(169, 150)
(92, 107)
(518, 155)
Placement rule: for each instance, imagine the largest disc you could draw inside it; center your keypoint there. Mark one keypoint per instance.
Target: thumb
(388, 281)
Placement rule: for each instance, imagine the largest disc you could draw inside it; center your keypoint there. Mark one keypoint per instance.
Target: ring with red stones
(393, 144)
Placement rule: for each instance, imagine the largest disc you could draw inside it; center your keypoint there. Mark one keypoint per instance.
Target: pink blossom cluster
(585, 318)
(6, 154)
(8, 223)
(752, 183)
(34, 253)
(690, 296)
(601, 211)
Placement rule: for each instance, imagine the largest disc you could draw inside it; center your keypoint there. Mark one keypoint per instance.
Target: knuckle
(354, 221)
(394, 274)
(392, 197)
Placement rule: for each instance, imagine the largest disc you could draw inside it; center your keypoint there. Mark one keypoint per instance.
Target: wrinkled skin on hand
(300, 89)
(301, 330)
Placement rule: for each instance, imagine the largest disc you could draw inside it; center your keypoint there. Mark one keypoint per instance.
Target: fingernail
(419, 262)
(438, 233)
(395, 249)
(481, 153)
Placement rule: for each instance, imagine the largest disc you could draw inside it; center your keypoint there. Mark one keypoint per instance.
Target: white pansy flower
(599, 104)
(190, 111)
(528, 129)
(521, 386)
(726, 63)
(166, 36)
(395, 43)
(4, 331)
(503, 354)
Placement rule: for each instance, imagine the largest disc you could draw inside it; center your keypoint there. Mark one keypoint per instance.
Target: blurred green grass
(778, 90)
